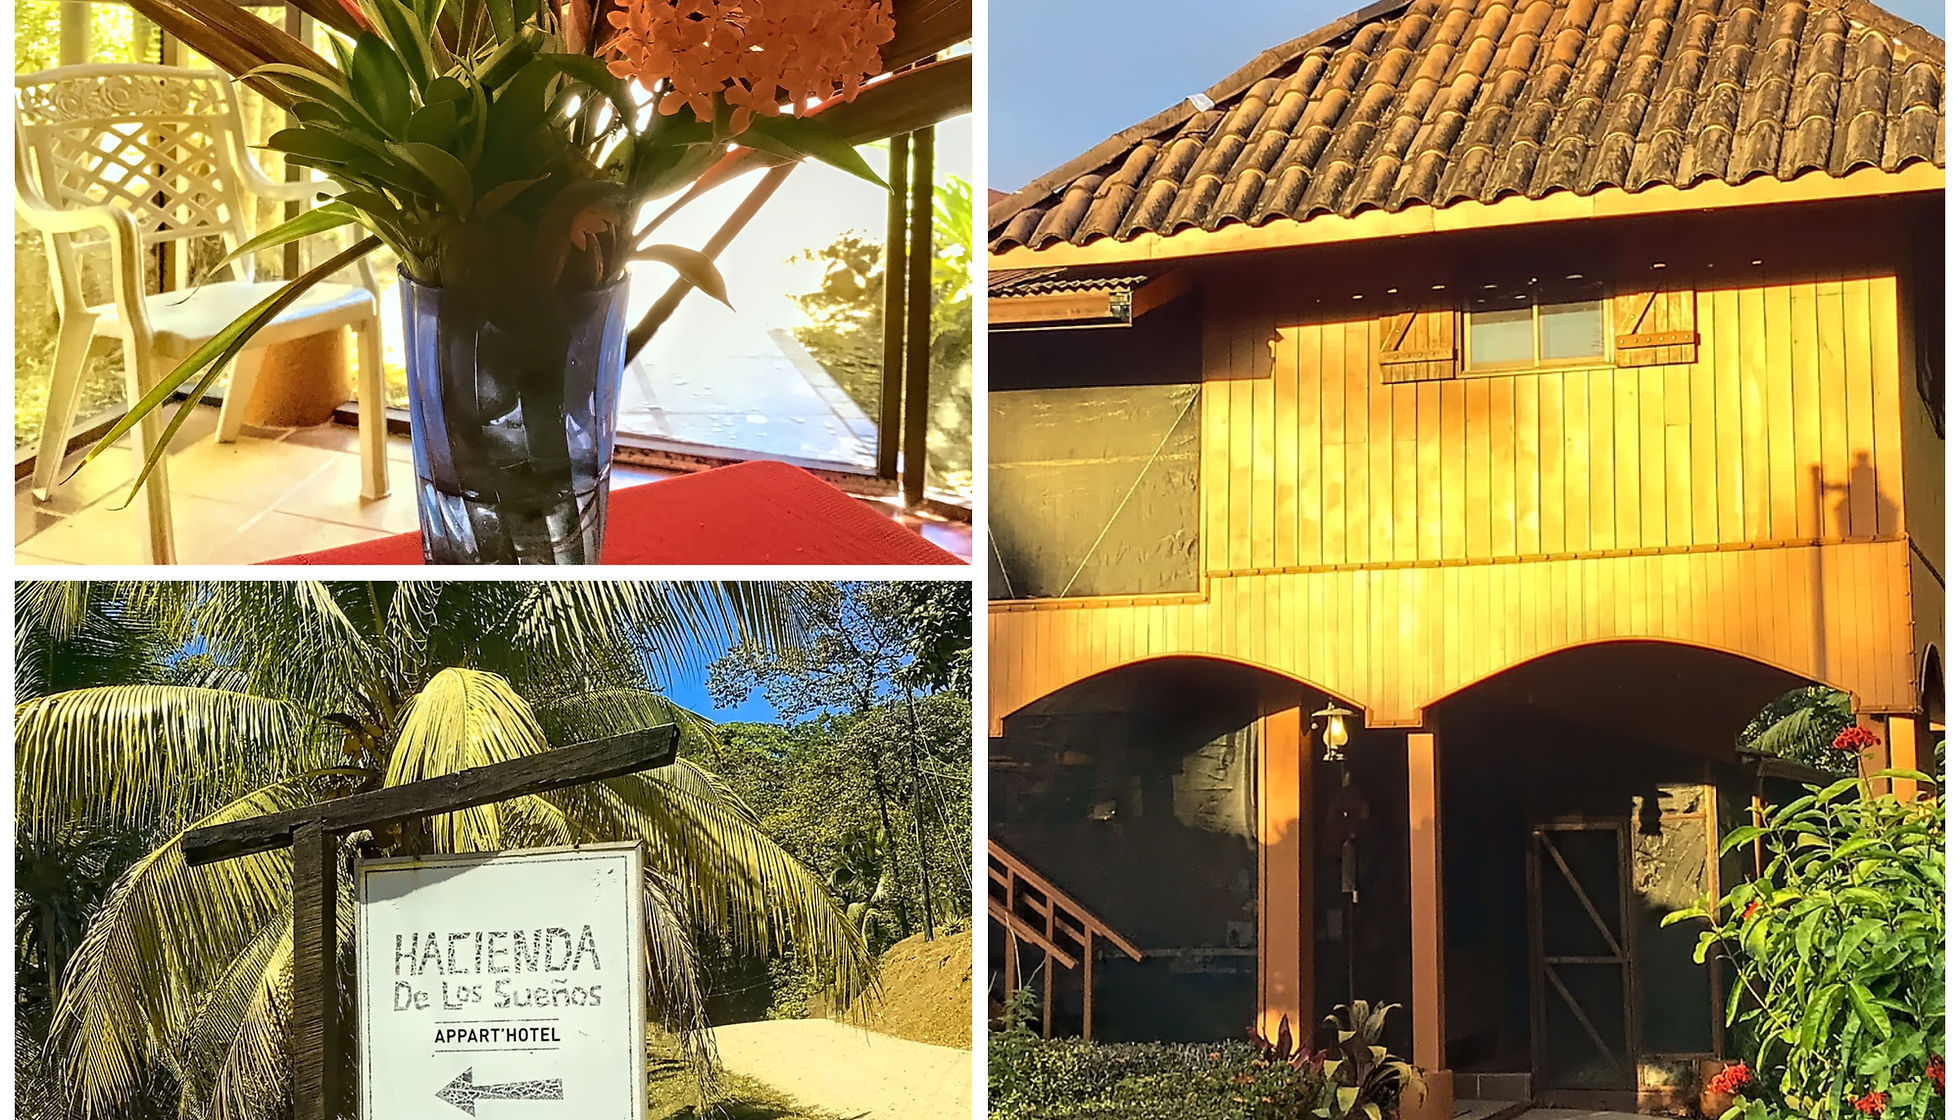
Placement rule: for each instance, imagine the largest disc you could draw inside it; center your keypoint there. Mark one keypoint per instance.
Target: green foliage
(1799, 726)
(1029, 1078)
(812, 792)
(114, 35)
(1358, 1076)
(273, 695)
(1839, 951)
(847, 329)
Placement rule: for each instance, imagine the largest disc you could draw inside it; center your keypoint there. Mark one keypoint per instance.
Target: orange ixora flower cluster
(760, 56)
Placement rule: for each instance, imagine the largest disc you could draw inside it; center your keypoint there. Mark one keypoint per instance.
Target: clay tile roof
(1047, 281)
(1432, 102)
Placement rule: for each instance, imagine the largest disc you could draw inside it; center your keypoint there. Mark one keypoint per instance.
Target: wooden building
(1552, 384)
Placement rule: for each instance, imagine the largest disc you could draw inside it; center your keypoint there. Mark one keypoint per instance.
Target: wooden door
(1584, 996)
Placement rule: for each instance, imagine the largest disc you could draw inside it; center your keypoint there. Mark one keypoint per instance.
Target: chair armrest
(55, 219)
(125, 249)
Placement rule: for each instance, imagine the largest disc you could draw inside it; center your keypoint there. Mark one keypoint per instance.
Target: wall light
(1334, 731)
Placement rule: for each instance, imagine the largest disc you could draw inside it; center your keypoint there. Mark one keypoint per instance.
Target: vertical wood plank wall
(1791, 379)
(1393, 543)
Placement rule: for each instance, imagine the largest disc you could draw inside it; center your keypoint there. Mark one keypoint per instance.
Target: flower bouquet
(505, 150)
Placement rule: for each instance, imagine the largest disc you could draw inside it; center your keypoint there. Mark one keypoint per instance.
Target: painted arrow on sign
(464, 1092)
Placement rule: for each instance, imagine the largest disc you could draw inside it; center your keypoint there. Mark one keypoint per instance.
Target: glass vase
(513, 401)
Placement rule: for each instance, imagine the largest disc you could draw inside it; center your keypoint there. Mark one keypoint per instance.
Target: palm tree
(277, 695)
(1799, 726)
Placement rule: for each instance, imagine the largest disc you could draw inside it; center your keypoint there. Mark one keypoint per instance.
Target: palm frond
(1820, 714)
(73, 634)
(293, 639)
(675, 626)
(224, 1045)
(59, 608)
(463, 718)
(732, 875)
(676, 999)
(412, 619)
(166, 932)
(582, 716)
(256, 1077)
(139, 755)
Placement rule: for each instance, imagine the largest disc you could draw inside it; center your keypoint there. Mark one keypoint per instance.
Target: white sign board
(509, 986)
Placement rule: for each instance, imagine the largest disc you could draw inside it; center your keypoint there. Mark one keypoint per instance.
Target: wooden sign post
(314, 832)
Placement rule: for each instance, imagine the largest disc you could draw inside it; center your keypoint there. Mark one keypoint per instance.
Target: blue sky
(690, 691)
(1065, 74)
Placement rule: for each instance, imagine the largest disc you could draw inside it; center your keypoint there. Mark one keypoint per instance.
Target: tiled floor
(761, 392)
(274, 493)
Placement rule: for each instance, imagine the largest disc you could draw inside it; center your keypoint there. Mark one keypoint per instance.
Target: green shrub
(1839, 950)
(1068, 1079)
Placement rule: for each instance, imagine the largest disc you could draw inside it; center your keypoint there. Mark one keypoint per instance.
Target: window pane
(794, 370)
(1571, 330)
(1500, 338)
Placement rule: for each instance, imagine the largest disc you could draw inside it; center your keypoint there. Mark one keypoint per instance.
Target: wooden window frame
(1603, 360)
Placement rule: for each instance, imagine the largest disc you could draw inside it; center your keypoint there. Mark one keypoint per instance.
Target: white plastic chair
(127, 157)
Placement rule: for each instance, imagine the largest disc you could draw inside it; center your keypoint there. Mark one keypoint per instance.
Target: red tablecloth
(749, 513)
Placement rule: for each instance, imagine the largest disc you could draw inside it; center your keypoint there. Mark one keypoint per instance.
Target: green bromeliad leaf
(481, 151)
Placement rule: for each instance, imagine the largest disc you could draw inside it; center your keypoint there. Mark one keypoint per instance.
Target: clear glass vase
(513, 402)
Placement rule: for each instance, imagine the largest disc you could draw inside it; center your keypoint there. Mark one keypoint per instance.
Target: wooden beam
(501, 781)
(1426, 900)
(923, 28)
(1158, 292)
(1326, 229)
(1089, 989)
(1053, 307)
(891, 420)
(918, 324)
(1286, 874)
(316, 983)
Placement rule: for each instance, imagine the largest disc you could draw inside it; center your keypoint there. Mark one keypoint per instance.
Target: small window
(1534, 328)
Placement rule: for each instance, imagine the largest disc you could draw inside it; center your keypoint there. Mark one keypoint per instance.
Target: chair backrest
(163, 143)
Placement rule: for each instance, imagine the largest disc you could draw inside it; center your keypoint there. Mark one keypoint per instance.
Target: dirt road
(853, 1073)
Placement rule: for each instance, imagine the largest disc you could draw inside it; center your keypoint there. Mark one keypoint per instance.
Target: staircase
(1033, 910)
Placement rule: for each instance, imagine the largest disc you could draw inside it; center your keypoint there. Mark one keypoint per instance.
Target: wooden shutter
(1654, 328)
(1417, 346)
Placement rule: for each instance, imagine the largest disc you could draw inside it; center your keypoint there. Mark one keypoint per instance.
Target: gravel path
(853, 1073)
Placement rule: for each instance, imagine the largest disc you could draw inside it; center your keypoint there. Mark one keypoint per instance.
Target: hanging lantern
(1333, 731)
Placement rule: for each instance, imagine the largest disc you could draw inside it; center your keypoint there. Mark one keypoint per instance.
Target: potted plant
(505, 150)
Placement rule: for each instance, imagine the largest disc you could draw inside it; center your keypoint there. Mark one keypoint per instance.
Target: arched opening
(1135, 797)
(1932, 691)
(1583, 797)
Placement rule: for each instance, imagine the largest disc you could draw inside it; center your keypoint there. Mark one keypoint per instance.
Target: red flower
(1854, 739)
(1871, 1104)
(1732, 1078)
(1936, 1072)
(1747, 912)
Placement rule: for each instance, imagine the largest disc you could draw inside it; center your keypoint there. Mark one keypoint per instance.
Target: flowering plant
(1839, 951)
(506, 148)
(1731, 1079)
(1854, 740)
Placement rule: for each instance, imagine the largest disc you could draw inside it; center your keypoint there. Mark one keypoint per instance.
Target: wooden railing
(1032, 909)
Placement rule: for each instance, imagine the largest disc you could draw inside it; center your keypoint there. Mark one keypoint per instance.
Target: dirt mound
(928, 991)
